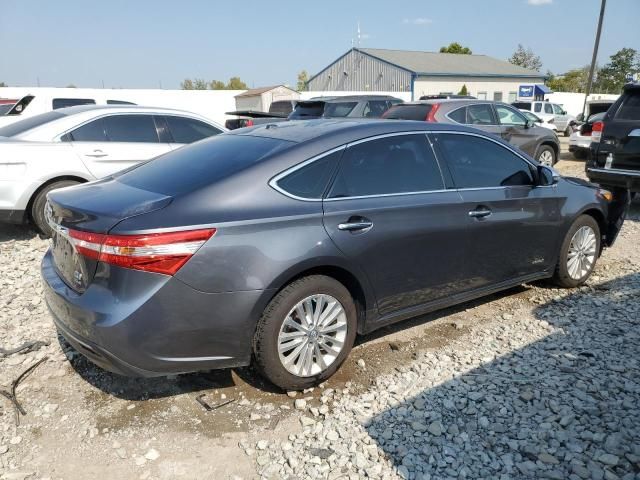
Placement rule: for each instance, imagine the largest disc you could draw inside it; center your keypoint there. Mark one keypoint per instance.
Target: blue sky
(145, 43)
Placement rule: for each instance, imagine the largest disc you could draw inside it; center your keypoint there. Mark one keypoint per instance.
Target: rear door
(389, 212)
(515, 129)
(115, 142)
(513, 226)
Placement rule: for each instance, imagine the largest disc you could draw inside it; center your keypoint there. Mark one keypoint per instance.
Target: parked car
(591, 107)
(615, 143)
(278, 112)
(580, 140)
(549, 112)
(532, 117)
(280, 243)
(353, 106)
(79, 144)
(494, 117)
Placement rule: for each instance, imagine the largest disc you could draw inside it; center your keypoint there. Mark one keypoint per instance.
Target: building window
(482, 95)
(513, 96)
(497, 96)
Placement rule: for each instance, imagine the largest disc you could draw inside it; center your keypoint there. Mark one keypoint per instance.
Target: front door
(388, 211)
(516, 130)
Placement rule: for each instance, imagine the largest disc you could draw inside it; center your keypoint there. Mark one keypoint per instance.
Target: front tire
(40, 200)
(546, 156)
(305, 333)
(578, 253)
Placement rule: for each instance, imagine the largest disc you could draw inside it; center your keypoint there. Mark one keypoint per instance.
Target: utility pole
(594, 57)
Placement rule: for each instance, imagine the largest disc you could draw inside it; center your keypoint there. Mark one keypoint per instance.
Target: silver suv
(549, 112)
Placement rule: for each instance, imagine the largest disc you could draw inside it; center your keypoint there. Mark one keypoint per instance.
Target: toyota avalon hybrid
(277, 245)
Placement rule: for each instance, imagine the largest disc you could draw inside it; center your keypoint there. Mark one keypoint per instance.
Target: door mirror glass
(547, 176)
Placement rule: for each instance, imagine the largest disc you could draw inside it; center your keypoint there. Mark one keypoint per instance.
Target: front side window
(311, 180)
(89, 132)
(548, 108)
(341, 109)
(71, 102)
(189, 130)
(131, 128)
(557, 109)
(396, 164)
(509, 116)
(476, 162)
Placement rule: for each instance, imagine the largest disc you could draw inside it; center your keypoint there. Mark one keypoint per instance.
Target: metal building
(423, 73)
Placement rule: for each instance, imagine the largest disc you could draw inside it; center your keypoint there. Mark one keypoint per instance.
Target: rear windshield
(340, 109)
(307, 110)
(282, 107)
(202, 163)
(5, 107)
(408, 112)
(630, 108)
(522, 105)
(22, 126)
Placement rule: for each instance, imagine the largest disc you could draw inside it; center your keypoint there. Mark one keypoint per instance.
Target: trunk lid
(93, 207)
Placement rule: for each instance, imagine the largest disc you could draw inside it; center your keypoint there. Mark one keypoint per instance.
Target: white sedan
(80, 144)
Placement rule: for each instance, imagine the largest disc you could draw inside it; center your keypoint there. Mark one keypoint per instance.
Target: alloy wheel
(582, 252)
(312, 335)
(546, 158)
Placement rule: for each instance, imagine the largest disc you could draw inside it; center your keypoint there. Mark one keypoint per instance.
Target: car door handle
(355, 225)
(480, 213)
(97, 154)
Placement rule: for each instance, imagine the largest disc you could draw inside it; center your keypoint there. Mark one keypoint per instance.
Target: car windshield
(29, 123)
(202, 163)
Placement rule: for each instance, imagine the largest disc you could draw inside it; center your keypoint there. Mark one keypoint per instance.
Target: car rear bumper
(627, 179)
(142, 324)
(12, 216)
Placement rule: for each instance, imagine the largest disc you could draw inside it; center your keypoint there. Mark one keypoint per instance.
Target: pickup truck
(278, 112)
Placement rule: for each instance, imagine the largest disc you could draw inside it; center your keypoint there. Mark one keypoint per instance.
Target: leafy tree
(455, 47)
(526, 58)
(612, 77)
(2, 84)
(217, 85)
(572, 81)
(236, 84)
(187, 84)
(303, 78)
(199, 84)
(463, 90)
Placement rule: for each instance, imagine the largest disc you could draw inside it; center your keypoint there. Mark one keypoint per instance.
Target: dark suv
(614, 158)
(498, 118)
(353, 106)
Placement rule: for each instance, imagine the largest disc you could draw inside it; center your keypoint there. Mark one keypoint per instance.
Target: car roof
(344, 98)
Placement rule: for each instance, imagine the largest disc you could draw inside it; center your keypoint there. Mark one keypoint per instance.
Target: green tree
(526, 58)
(572, 81)
(463, 90)
(199, 84)
(2, 84)
(236, 84)
(455, 47)
(186, 84)
(217, 85)
(303, 78)
(612, 77)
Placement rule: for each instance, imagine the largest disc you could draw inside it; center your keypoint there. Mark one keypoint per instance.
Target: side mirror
(547, 176)
(527, 123)
(564, 112)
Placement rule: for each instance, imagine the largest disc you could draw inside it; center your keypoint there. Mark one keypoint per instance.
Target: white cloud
(539, 2)
(417, 21)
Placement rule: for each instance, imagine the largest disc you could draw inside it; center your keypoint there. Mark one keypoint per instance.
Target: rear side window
(397, 164)
(341, 109)
(89, 132)
(480, 115)
(537, 107)
(548, 108)
(131, 128)
(522, 105)
(203, 163)
(630, 108)
(409, 112)
(311, 180)
(189, 130)
(476, 162)
(459, 115)
(375, 108)
(71, 102)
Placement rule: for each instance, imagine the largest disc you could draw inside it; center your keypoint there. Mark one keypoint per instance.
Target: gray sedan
(494, 117)
(279, 244)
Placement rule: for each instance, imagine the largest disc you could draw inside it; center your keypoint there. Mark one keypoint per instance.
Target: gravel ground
(535, 382)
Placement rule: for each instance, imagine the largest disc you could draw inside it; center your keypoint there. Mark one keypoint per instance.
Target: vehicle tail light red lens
(163, 252)
(431, 116)
(596, 131)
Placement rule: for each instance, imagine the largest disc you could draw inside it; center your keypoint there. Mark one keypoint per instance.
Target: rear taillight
(155, 252)
(596, 131)
(431, 116)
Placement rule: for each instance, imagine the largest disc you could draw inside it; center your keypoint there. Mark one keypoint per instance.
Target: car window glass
(311, 180)
(459, 115)
(480, 115)
(341, 109)
(509, 116)
(375, 108)
(119, 102)
(537, 107)
(131, 128)
(630, 108)
(71, 102)
(397, 164)
(557, 109)
(189, 130)
(522, 105)
(409, 111)
(89, 132)
(477, 162)
(548, 108)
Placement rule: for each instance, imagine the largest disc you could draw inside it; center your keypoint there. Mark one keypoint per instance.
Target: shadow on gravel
(16, 233)
(566, 406)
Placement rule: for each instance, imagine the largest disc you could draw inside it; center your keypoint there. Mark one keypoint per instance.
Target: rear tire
(546, 155)
(294, 354)
(579, 253)
(40, 200)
